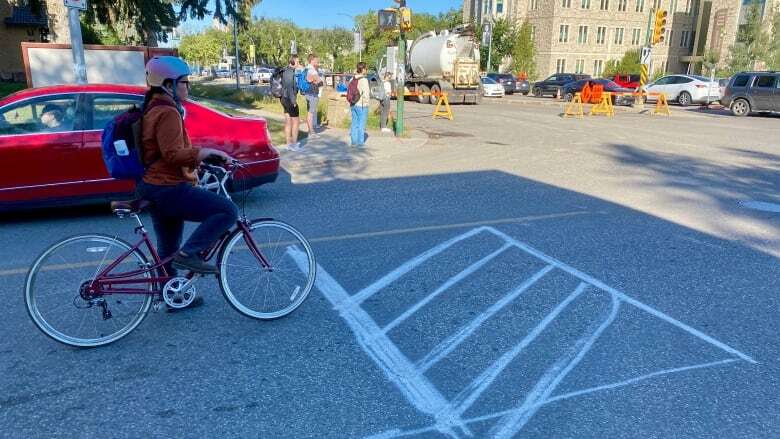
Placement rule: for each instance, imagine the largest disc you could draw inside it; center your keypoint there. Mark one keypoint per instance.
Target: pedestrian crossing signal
(659, 30)
(388, 19)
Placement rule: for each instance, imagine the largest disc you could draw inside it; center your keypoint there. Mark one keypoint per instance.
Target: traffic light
(405, 18)
(659, 30)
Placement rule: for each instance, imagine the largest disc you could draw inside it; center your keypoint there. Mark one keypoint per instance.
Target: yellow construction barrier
(447, 110)
(604, 106)
(575, 107)
(662, 106)
(437, 112)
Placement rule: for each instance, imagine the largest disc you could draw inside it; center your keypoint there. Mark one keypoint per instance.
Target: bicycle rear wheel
(273, 291)
(55, 300)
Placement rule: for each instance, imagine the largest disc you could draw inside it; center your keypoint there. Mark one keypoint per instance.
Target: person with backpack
(289, 101)
(310, 83)
(359, 96)
(384, 103)
(170, 176)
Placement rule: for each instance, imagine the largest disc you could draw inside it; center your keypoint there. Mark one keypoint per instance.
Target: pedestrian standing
(384, 103)
(289, 101)
(360, 106)
(312, 95)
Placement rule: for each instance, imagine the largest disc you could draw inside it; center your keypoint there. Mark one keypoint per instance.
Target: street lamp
(360, 34)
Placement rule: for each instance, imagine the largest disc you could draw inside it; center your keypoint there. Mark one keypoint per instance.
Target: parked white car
(685, 89)
(491, 88)
(261, 75)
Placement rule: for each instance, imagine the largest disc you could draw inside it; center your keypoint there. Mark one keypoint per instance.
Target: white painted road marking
(423, 395)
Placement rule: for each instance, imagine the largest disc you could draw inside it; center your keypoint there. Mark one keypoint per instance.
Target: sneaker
(295, 147)
(387, 130)
(193, 263)
(196, 302)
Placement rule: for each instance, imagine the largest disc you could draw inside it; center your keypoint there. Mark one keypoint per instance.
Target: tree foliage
(204, 49)
(752, 42)
(524, 51)
(628, 65)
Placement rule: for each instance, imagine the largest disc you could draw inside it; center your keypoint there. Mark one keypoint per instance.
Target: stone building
(580, 36)
(20, 24)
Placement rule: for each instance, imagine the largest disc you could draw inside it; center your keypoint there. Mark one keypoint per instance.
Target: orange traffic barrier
(437, 112)
(604, 106)
(575, 107)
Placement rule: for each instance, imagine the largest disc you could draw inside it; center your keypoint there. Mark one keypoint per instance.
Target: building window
(636, 37)
(656, 4)
(622, 5)
(560, 66)
(604, 5)
(566, 4)
(619, 35)
(534, 5)
(684, 38)
(499, 6)
(582, 36)
(598, 67)
(601, 35)
(533, 32)
(564, 34)
(688, 8)
(487, 6)
(640, 5)
(579, 66)
(585, 4)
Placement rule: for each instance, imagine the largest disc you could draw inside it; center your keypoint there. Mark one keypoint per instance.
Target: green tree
(503, 43)
(752, 42)
(773, 50)
(204, 49)
(628, 65)
(524, 51)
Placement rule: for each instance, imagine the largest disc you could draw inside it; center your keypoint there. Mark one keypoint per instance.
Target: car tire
(568, 97)
(684, 99)
(538, 92)
(525, 93)
(740, 107)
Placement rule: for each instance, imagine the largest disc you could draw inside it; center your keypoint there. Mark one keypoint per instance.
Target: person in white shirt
(360, 108)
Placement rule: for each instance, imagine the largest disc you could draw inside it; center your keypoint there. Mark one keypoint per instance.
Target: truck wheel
(423, 99)
(435, 89)
(740, 108)
(537, 92)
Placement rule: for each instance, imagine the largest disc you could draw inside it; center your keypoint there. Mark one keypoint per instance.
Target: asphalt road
(521, 275)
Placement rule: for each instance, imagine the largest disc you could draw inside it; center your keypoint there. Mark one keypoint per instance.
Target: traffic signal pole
(400, 75)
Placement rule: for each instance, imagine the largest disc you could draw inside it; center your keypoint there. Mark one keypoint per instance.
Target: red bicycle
(93, 289)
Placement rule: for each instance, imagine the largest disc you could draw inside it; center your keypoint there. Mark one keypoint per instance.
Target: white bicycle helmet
(160, 68)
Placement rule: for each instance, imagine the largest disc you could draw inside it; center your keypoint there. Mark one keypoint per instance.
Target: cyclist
(170, 179)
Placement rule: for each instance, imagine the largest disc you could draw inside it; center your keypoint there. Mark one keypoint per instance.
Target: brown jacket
(168, 152)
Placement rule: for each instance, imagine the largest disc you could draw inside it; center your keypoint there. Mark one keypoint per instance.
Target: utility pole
(235, 41)
(76, 42)
(401, 75)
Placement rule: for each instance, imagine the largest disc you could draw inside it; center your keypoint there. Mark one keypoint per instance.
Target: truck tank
(443, 56)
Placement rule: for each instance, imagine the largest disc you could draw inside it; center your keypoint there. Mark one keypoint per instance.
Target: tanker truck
(445, 62)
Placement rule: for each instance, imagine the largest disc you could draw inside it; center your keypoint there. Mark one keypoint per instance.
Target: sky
(318, 14)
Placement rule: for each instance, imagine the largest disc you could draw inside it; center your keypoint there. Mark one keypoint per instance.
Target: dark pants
(173, 205)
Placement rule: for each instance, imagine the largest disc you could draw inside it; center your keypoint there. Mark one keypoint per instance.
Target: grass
(252, 99)
(274, 126)
(6, 88)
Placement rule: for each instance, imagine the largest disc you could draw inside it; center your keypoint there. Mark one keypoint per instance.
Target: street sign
(293, 48)
(487, 33)
(645, 57)
(76, 4)
(357, 42)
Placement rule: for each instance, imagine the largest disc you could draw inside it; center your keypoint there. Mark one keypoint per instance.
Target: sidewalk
(328, 155)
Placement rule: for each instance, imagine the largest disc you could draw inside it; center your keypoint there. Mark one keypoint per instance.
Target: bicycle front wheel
(56, 301)
(272, 281)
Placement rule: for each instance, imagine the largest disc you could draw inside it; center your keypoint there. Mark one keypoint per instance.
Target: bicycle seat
(130, 206)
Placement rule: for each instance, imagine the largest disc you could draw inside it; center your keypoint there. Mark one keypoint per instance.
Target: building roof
(23, 16)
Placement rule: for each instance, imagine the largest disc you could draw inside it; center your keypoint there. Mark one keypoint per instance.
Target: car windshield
(488, 81)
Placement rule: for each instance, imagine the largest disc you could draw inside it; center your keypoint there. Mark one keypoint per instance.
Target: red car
(626, 81)
(63, 165)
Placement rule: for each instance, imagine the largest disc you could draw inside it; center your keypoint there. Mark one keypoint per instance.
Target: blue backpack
(122, 144)
(303, 85)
